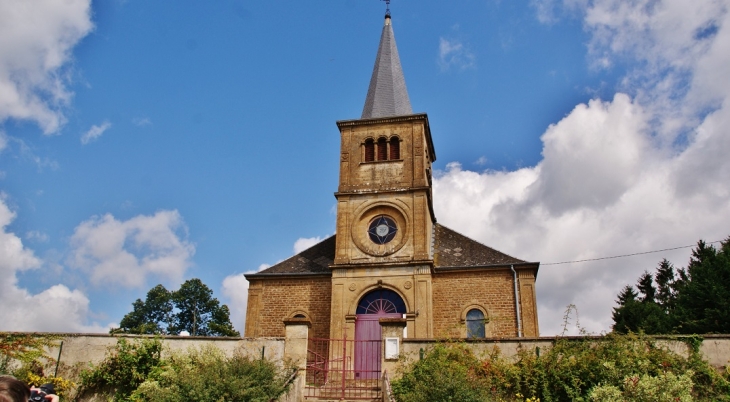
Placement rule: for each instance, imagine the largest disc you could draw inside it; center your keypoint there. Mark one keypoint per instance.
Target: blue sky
(144, 143)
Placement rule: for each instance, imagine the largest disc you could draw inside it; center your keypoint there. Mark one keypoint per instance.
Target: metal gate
(343, 369)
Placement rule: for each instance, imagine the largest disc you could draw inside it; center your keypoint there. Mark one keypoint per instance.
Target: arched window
(394, 148)
(369, 150)
(382, 149)
(381, 301)
(475, 323)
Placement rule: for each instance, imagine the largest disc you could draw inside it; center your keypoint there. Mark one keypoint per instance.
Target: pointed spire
(387, 93)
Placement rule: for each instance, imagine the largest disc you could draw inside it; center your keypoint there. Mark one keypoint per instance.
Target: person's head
(13, 390)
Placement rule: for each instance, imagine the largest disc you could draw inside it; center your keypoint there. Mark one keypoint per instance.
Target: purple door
(368, 349)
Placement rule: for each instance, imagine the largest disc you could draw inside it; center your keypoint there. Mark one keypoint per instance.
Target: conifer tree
(685, 301)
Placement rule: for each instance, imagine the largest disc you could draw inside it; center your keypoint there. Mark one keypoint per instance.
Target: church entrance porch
(350, 369)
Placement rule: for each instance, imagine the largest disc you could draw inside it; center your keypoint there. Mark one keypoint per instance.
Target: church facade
(390, 257)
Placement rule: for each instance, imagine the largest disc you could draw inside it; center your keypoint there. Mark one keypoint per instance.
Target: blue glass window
(382, 229)
(475, 324)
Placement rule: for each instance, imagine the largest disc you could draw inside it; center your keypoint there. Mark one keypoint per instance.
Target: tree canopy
(191, 308)
(695, 300)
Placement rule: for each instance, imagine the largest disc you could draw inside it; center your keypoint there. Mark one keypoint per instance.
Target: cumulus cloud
(36, 39)
(235, 290)
(125, 253)
(57, 308)
(95, 132)
(304, 243)
(454, 54)
(646, 170)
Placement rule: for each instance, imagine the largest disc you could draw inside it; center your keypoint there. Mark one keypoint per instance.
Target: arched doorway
(380, 303)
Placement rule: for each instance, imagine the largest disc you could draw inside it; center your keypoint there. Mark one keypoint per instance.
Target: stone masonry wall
(280, 299)
(455, 292)
(715, 349)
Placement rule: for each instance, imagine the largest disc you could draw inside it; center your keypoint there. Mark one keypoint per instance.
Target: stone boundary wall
(92, 348)
(715, 349)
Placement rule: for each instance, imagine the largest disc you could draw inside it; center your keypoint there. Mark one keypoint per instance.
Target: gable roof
(387, 94)
(451, 250)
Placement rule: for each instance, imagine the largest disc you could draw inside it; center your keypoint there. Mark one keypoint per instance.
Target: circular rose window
(382, 229)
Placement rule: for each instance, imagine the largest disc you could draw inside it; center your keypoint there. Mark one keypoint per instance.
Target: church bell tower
(385, 216)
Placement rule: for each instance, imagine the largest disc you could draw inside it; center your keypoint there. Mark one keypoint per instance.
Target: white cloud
(454, 54)
(235, 289)
(3, 140)
(304, 243)
(95, 132)
(125, 253)
(645, 171)
(545, 10)
(57, 308)
(36, 38)
(141, 121)
(36, 236)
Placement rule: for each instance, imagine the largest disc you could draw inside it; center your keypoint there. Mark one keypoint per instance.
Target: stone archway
(374, 305)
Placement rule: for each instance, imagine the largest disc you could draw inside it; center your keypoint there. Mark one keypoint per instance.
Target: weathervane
(387, 7)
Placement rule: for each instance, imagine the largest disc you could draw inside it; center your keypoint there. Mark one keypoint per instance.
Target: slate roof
(314, 260)
(387, 93)
(451, 250)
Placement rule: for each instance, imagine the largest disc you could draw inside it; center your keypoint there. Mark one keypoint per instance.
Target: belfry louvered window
(394, 148)
(369, 150)
(382, 149)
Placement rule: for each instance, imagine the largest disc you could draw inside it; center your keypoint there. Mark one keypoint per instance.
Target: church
(390, 258)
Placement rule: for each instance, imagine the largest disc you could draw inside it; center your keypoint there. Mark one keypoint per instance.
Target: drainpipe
(517, 303)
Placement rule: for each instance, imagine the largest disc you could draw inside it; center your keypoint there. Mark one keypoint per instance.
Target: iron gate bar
(343, 369)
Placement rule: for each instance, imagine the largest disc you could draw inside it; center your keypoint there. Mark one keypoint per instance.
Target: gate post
(295, 350)
(391, 330)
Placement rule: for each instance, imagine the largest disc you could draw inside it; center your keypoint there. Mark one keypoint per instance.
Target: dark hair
(13, 390)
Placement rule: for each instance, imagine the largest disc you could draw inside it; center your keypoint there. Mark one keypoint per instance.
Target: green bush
(572, 370)
(208, 375)
(136, 371)
(447, 373)
(125, 367)
(666, 387)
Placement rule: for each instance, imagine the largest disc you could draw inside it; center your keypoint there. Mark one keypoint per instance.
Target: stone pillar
(392, 334)
(295, 351)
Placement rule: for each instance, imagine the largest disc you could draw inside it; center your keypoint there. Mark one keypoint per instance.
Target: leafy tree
(198, 312)
(191, 308)
(148, 317)
(685, 301)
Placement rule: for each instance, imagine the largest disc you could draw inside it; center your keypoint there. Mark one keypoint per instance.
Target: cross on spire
(387, 7)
